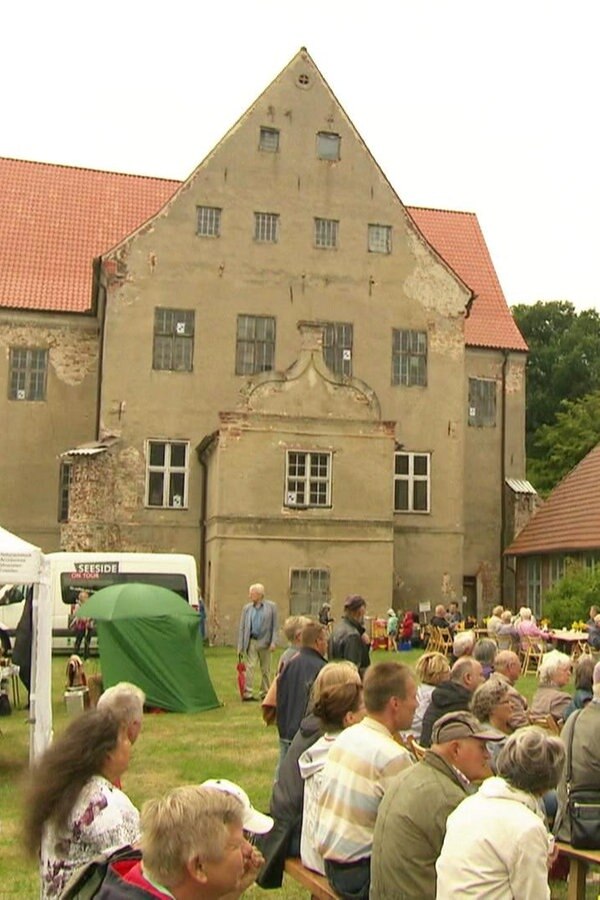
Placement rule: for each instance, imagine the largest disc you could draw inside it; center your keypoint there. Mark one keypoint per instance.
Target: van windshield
(72, 583)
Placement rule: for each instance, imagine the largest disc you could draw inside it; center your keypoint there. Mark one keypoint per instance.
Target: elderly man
(411, 821)
(349, 639)
(465, 676)
(126, 702)
(440, 617)
(193, 847)
(359, 769)
(507, 668)
(463, 644)
(295, 682)
(256, 639)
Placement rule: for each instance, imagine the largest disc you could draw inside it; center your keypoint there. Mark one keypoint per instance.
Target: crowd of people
(352, 801)
(393, 784)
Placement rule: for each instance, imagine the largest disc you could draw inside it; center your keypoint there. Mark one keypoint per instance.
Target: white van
(71, 573)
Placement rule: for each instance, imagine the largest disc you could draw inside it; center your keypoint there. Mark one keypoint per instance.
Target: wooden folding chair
(434, 643)
(446, 641)
(548, 723)
(532, 652)
(417, 751)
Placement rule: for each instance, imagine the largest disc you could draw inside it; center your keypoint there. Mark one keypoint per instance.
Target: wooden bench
(318, 885)
(579, 860)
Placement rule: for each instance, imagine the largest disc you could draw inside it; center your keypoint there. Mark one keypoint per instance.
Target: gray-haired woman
(550, 697)
(497, 845)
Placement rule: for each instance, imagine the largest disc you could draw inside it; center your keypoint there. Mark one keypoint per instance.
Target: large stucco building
(275, 365)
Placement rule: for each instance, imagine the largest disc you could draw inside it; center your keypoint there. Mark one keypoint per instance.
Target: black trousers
(350, 880)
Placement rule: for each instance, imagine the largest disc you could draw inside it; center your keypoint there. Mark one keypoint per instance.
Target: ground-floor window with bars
(167, 473)
(255, 345)
(27, 373)
(308, 479)
(309, 590)
(64, 490)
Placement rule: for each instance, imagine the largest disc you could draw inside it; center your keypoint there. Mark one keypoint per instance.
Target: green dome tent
(149, 636)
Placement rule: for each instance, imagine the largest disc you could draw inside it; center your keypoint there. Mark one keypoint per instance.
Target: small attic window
(303, 80)
(269, 139)
(328, 145)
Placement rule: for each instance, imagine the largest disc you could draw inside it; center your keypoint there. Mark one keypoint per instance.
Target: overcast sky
(478, 105)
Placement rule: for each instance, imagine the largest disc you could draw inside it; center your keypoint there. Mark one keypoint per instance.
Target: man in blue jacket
(256, 640)
(295, 682)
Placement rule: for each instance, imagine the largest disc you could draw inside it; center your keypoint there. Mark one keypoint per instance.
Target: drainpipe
(202, 523)
(99, 302)
(503, 475)
(201, 452)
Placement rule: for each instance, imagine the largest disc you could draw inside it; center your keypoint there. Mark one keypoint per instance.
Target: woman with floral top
(74, 812)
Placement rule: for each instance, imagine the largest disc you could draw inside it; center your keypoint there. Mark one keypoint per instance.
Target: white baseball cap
(252, 820)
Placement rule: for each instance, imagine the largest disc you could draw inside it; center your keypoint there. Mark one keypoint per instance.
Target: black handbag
(583, 807)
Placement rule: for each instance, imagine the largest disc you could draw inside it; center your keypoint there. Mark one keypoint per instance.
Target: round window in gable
(303, 80)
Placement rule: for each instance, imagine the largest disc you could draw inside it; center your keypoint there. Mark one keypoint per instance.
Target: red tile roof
(54, 220)
(570, 517)
(458, 239)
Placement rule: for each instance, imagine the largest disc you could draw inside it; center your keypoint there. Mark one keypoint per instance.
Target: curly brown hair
(57, 778)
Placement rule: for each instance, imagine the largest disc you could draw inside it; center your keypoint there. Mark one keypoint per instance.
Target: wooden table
(579, 861)
(576, 641)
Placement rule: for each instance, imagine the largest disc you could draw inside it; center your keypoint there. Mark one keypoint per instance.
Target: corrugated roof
(457, 237)
(569, 520)
(54, 220)
(520, 487)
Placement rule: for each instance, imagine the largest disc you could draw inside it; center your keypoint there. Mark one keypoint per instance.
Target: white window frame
(412, 479)
(329, 146)
(167, 469)
(380, 239)
(208, 221)
(326, 233)
(266, 227)
(268, 139)
(299, 486)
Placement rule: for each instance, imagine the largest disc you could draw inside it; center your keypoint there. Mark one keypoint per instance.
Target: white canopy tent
(22, 563)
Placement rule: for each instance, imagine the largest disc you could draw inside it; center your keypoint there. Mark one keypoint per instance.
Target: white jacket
(311, 765)
(496, 847)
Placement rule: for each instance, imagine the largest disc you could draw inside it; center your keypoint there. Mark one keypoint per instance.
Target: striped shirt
(358, 771)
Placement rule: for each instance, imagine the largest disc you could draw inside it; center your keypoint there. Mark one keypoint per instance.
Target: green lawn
(229, 742)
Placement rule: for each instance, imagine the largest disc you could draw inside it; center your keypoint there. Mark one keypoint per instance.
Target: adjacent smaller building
(566, 526)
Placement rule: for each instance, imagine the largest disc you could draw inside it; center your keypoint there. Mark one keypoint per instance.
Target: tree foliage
(571, 597)
(563, 367)
(562, 445)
